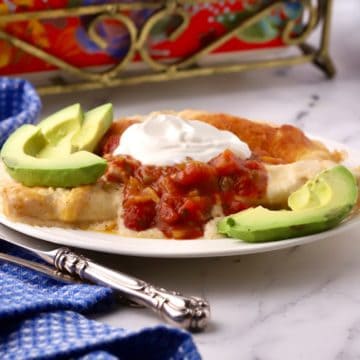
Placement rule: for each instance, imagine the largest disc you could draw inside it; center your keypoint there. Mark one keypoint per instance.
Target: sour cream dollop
(165, 139)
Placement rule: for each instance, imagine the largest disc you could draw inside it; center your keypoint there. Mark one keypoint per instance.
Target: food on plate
(318, 205)
(57, 152)
(58, 130)
(168, 174)
(96, 123)
(270, 143)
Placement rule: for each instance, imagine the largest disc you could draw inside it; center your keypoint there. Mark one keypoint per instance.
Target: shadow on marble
(271, 272)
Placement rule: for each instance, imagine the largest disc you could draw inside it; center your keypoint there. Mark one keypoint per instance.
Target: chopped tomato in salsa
(179, 200)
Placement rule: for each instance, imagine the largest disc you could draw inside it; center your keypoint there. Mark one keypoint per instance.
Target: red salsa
(179, 200)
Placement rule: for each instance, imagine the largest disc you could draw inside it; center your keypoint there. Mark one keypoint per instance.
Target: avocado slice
(58, 129)
(318, 205)
(62, 123)
(57, 152)
(20, 151)
(96, 122)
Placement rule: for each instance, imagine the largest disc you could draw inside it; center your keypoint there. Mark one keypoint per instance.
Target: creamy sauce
(164, 139)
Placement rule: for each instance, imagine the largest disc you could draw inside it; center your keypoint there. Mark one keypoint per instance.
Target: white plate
(176, 248)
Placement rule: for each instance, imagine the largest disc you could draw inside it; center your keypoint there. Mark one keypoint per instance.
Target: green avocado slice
(319, 205)
(20, 151)
(62, 123)
(59, 129)
(96, 122)
(57, 152)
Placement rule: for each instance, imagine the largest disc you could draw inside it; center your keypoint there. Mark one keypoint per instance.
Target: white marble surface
(299, 303)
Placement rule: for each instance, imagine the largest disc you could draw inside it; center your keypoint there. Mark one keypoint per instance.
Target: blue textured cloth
(19, 104)
(40, 319)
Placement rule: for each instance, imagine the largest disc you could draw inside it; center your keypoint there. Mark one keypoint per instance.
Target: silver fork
(188, 312)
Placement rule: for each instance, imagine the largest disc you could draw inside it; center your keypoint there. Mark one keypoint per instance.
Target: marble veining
(299, 303)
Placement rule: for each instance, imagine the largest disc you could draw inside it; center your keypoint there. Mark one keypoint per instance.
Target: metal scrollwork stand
(318, 13)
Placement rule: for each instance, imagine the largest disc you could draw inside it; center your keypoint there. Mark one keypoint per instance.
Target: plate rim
(233, 250)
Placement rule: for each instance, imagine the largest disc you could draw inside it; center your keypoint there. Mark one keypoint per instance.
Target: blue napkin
(19, 104)
(40, 319)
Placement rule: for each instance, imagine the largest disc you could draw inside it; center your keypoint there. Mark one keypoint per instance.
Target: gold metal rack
(318, 14)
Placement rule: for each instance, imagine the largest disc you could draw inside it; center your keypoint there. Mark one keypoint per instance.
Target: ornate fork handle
(190, 313)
